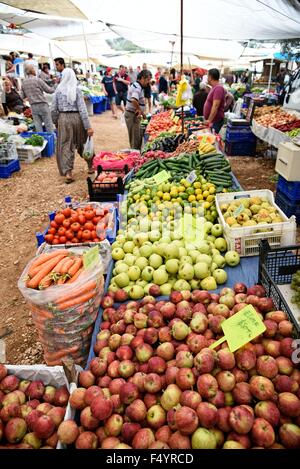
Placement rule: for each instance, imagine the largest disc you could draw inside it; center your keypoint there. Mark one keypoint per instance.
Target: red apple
(240, 288)
(163, 434)
(196, 342)
(86, 379)
(136, 411)
(285, 383)
(190, 399)
(271, 328)
(242, 393)
(207, 414)
(153, 383)
(144, 352)
(290, 435)
(226, 380)
(267, 366)
(186, 420)
(185, 379)
(241, 419)
(126, 368)
(289, 404)
(245, 359)
(128, 393)
(143, 438)
(223, 419)
(262, 433)
(285, 328)
(87, 420)
(244, 440)
(179, 441)
(268, 411)
(68, 432)
(285, 365)
(101, 408)
(205, 360)
(207, 386)
(87, 440)
(77, 399)
(286, 347)
(156, 416)
(129, 430)
(262, 388)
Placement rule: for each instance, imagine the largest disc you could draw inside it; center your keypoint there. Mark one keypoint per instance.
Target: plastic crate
(235, 135)
(240, 148)
(8, 152)
(288, 207)
(107, 191)
(245, 240)
(276, 268)
(27, 155)
(289, 188)
(49, 149)
(6, 170)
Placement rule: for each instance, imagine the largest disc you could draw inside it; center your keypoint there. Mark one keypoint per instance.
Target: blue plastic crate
(240, 148)
(6, 170)
(49, 136)
(240, 135)
(289, 188)
(288, 207)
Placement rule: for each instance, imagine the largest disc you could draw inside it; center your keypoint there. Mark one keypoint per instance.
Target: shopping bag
(88, 149)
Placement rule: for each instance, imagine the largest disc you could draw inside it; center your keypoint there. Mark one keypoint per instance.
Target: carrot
(46, 282)
(76, 301)
(62, 279)
(75, 276)
(91, 285)
(45, 269)
(67, 265)
(59, 266)
(75, 267)
(60, 353)
(45, 258)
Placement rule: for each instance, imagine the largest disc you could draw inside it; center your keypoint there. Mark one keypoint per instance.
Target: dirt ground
(28, 196)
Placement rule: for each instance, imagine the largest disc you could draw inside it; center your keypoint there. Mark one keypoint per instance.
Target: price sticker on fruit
(241, 328)
(90, 257)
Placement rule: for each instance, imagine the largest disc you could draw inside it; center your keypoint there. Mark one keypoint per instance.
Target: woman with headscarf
(70, 115)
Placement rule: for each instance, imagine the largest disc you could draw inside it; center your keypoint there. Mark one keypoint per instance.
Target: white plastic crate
(245, 240)
(28, 153)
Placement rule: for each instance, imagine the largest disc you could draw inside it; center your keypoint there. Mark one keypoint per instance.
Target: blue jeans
(218, 125)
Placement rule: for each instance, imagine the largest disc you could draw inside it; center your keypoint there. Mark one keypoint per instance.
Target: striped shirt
(60, 104)
(135, 92)
(33, 89)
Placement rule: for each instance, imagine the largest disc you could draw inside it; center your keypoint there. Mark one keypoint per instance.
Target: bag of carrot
(64, 291)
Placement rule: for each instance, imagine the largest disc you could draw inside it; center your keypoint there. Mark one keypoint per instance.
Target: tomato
(49, 238)
(62, 240)
(96, 240)
(75, 226)
(94, 234)
(74, 217)
(81, 219)
(89, 214)
(61, 231)
(88, 225)
(55, 241)
(69, 234)
(53, 224)
(59, 218)
(86, 235)
(67, 212)
(66, 224)
(88, 207)
(96, 220)
(79, 234)
(74, 241)
(51, 231)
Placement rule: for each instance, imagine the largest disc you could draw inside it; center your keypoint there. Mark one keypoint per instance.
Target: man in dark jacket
(200, 98)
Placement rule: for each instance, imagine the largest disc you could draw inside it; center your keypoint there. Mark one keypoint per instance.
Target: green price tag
(161, 177)
(90, 257)
(193, 228)
(238, 210)
(241, 328)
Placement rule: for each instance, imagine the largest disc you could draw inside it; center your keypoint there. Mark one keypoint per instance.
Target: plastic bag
(88, 149)
(64, 315)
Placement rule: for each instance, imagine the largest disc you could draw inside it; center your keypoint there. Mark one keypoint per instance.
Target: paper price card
(241, 328)
(193, 228)
(238, 210)
(192, 177)
(90, 257)
(161, 177)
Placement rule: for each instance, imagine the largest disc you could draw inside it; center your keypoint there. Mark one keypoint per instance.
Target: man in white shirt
(33, 62)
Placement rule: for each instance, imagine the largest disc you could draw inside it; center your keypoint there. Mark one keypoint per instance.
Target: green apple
(134, 272)
(141, 262)
(155, 261)
(172, 266)
(181, 285)
(136, 251)
(186, 271)
(160, 276)
(136, 292)
(147, 273)
(171, 251)
(147, 288)
(220, 244)
(217, 230)
(156, 226)
(204, 258)
(140, 238)
(154, 235)
(182, 252)
(122, 267)
(219, 260)
(207, 227)
(117, 254)
(210, 239)
(165, 239)
(201, 270)
(130, 234)
(113, 288)
(166, 289)
(121, 239)
(194, 284)
(144, 225)
(215, 251)
(213, 267)
(129, 259)
(128, 246)
(203, 439)
(159, 248)
(146, 250)
(176, 235)
(194, 254)
(203, 247)
(141, 283)
(122, 280)
(116, 245)
(232, 258)
(172, 280)
(127, 289)
(209, 283)
(220, 275)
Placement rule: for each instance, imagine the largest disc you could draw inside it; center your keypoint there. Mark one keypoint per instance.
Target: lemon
(212, 190)
(181, 189)
(199, 197)
(198, 191)
(206, 205)
(160, 194)
(136, 197)
(205, 194)
(197, 185)
(210, 198)
(191, 198)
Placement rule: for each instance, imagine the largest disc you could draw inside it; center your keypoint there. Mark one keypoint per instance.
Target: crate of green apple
(154, 383)
(33, 402)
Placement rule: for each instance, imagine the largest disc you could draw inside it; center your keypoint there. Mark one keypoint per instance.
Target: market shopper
(110, 90)
(33, 89)
(135, 108)
(70, 115)
(122, 81)
(200, 98)
(45, 75)
(196, 82)
(60, 66)
(12, 100)
(31, 61)
(214, 104)
(147, 93)
(132, 74)
(163, 83)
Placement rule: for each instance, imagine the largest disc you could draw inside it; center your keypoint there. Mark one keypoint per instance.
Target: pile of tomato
(82, 225)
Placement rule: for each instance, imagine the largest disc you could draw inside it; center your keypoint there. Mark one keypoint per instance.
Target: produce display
(155, 383)
(35, 141)
(165, 143)
(191, 146)
(115, 160)
(295, 285)
(84, 224)
(250, 212)
(31, 412)
(163, 122)
(279, 119)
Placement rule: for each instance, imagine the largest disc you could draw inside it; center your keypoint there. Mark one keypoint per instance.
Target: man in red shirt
(214, 104)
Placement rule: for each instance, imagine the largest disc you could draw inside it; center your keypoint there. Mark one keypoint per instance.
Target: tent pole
(51, 55)
(86, 45)
(270, 75)
(181, 58)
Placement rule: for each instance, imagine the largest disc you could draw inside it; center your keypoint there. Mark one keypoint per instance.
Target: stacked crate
(288, 197)
(239, 141)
